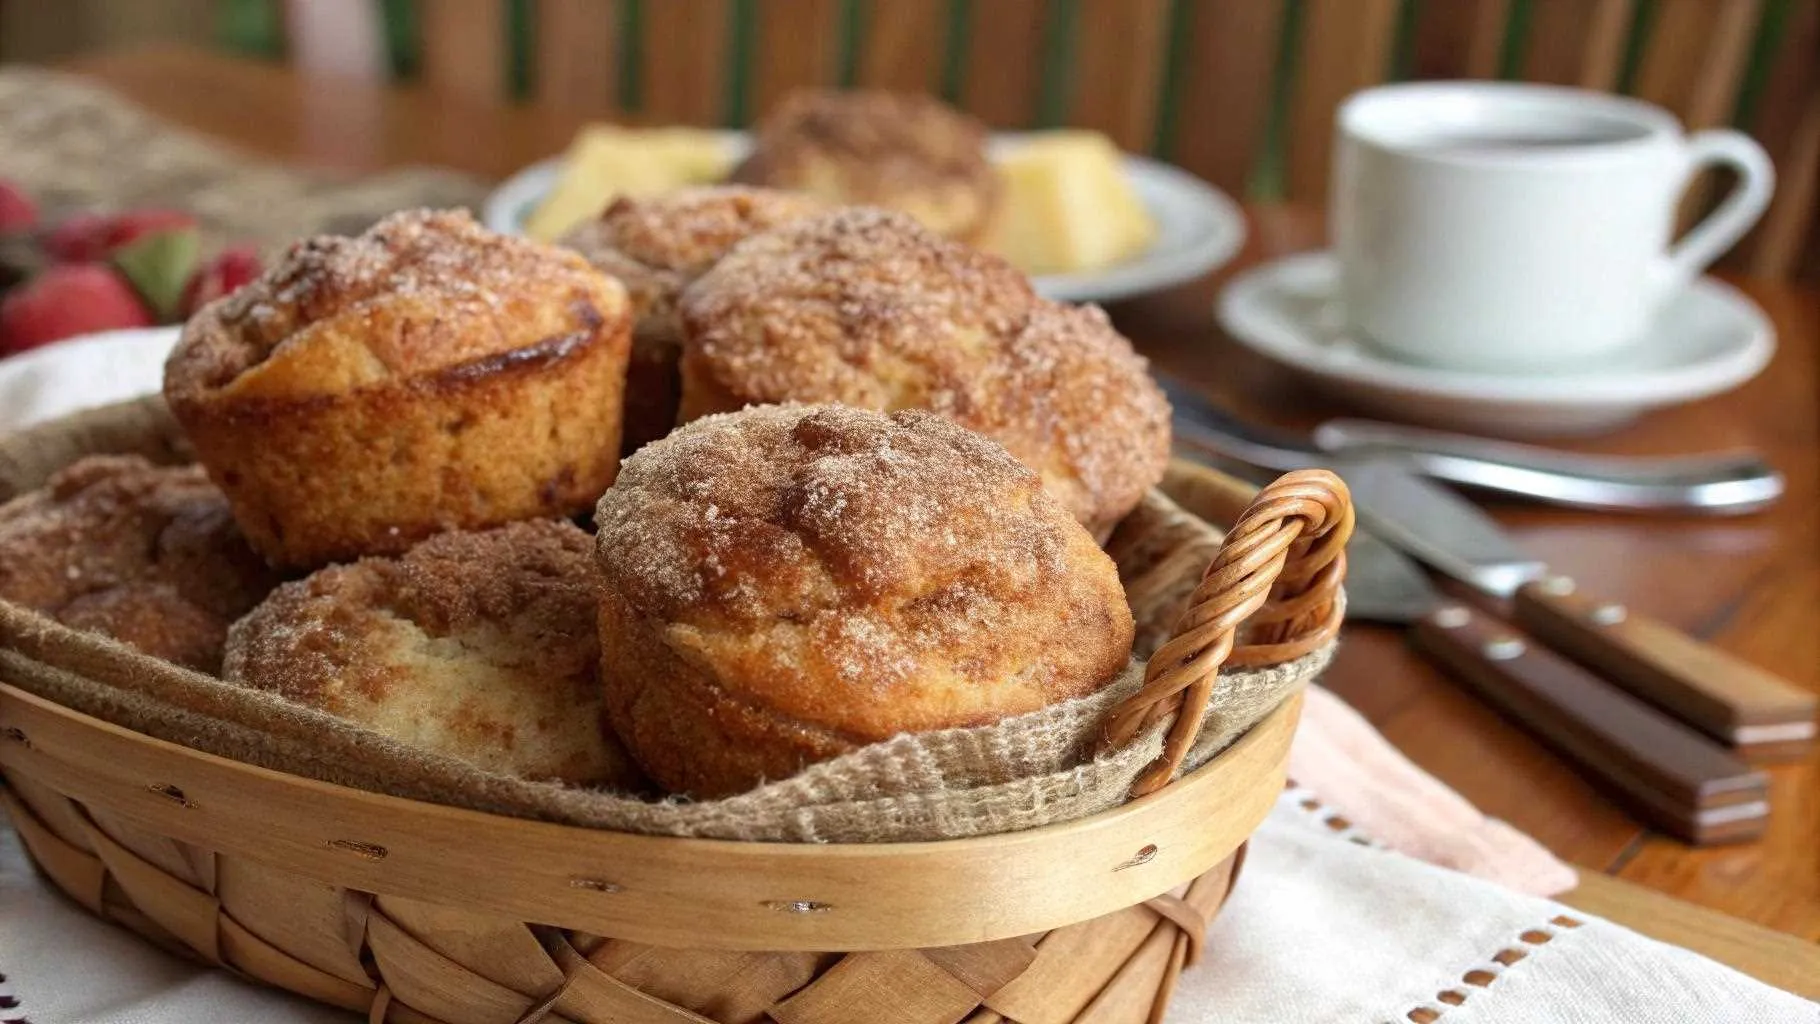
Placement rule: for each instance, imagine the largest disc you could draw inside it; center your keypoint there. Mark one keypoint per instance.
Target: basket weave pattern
(320, 920)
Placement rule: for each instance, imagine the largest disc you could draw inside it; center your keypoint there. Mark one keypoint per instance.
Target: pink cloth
(1367, 787)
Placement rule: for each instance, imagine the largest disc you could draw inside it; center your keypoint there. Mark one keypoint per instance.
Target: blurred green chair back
(1241, 92)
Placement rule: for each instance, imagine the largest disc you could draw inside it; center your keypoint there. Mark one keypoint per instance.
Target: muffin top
(867, 308)
(478, 645)
(420, 293)
(657, 245)
(146, 554)
(870, 574)
(907, 151)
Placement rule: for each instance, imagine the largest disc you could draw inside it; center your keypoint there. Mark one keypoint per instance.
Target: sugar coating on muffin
(864, 307)
(656, 246)
(367, 392)
(146, 554)
(906, 151)
(476, 645)
(786, 583)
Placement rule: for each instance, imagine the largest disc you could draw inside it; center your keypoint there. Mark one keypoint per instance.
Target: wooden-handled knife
(1762, 716)
(1669, 775)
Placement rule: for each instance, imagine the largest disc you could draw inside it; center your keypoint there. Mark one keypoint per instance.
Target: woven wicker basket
(416, 912)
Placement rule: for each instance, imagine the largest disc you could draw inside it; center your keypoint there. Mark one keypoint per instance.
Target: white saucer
(1708, 339)
(1199, 227)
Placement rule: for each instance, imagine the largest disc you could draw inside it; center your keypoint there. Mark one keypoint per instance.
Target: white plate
(95, 369)
(1198, 227)
(1708, 339)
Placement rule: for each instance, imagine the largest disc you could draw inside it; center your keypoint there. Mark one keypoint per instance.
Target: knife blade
(1667, 774)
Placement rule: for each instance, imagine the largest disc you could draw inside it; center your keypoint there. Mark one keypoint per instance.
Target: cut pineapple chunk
(607, 161)
(1066, 206)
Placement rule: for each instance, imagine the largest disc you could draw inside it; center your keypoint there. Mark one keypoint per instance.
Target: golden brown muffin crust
(656, 246)
(866, 308)
(822, 576)
(146, 554)
(477, 645)
(906, 151)
(429, 375)
(421, 291)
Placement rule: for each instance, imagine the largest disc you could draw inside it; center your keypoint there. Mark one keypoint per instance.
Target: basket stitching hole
(171, 793)
(1424, 1015)
(1479, 978)
(1452, 997)
(1564, 921)
(371, 851)
(1142, 857)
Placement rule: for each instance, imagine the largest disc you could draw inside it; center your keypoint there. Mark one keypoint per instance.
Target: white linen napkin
(1327, 923)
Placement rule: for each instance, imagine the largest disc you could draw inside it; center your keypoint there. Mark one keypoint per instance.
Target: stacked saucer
(1706, 339)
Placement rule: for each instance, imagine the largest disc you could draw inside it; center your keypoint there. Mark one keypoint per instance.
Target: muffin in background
(865, 307)
(479, 646)
(656, 247)
(787, 583)
(904, 151)
(365, 393)
(148, 555)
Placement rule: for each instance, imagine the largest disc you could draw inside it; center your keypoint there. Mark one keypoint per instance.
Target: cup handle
(1722, 228)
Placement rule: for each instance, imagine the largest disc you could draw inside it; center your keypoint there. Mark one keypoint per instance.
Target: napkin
(1371, 893)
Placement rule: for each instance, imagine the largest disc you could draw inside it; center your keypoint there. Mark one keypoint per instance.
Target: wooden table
(1750, 585)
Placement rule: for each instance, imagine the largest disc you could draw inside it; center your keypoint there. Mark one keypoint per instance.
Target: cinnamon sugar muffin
(866, 308)
(476, 645)
(787, 583)
(148, 555)
(656, 246)
(367, 392)
(906, 151)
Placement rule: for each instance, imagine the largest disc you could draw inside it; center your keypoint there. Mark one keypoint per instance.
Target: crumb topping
(420, 291)
(865, 307)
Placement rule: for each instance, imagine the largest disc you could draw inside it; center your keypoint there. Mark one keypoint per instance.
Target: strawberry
(220, 276)
(88, 237)
(67, 300)
(17, 211)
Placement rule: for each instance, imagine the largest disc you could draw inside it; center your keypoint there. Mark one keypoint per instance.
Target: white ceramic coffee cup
(1500, 226)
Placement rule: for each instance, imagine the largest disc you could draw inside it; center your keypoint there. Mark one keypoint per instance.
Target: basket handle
(1278, 571)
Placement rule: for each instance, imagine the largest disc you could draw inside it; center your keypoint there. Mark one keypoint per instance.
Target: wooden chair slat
(1459, 38)
(1787, 122)
(1120, 51)
(902, 45)
(1693, 64)
(578, 55)
(683, 60)
(1344, 46)
(796, 44)
(1576, 42)
(1224, 91)
(464, 47)
(1002, 73)
(1694, 57)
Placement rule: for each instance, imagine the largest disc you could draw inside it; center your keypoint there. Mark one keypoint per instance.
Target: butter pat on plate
(607, 161)
(1067, 205)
